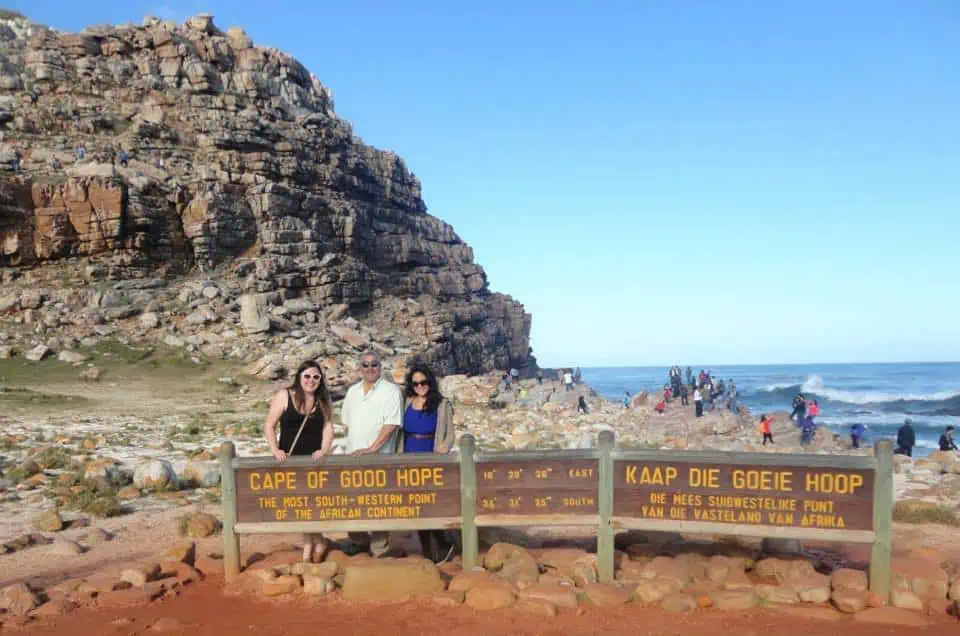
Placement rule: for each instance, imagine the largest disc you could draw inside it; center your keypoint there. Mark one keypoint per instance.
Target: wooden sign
(340, 493)
(780, 496)
(537, 487)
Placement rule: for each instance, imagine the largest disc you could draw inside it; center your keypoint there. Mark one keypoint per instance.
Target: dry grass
(924, 512)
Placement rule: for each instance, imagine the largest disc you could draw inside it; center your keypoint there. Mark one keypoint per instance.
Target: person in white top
(371, 412)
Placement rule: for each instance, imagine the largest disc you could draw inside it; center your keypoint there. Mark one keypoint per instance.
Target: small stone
(317, 585)
(489, 598)
(285, 584)
(18, 599)
(49, 521)
(850, 601)
(607, 594)
(64, 547)
(71, 357)
(734, 600)
(557, 595)
(905, 599)
(182, 553)
(539, 607)
(201, 524)
(37, 354)
(848, 579)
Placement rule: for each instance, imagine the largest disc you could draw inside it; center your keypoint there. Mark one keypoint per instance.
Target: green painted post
(468, 503)
(228, 499)
(605, 533)
(881, 552)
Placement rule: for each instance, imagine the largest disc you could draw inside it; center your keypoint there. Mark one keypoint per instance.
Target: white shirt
(697, 396)
(567, 378)
(365, 414)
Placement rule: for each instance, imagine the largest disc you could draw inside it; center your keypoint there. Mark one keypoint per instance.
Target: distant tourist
(581, 405)
(684, 395)
(539, 376)
(124, 158)
(427, 428)
(698, 401)
(666, 393)
(660, 407)
(55, 164)
(732, 401)
(799, 408)
(813, 408)
(946, 440)
(514, 375)
(305, 415)
(81, 152)
(906, 439)
(857, 432)
(567, 380)
(372, 412)
(766, 428)
(577, 376)
(689, 375)
(808, 429)
(626, 400)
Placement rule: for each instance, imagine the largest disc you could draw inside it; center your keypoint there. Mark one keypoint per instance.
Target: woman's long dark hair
(323, 394)
(433, 395)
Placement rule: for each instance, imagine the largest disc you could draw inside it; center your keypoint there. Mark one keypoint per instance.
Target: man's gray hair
(370, 353)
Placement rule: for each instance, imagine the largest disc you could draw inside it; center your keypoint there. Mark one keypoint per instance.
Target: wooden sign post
(812, 497)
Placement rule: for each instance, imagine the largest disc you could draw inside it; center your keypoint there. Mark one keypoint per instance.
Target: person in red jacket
(766, 422)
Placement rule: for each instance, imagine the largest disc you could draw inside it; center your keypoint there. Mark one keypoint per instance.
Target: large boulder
(512, 563)
(155, 474)
(202, 474)
(390, 580)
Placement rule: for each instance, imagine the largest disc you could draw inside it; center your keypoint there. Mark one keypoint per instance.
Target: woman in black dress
(305, 415)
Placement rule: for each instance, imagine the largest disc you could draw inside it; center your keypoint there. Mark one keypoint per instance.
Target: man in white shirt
(372, 412)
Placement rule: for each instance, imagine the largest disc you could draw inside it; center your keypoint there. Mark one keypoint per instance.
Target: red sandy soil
(203, 610)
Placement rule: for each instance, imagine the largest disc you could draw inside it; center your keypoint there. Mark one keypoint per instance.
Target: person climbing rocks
(799, 408)
(946, 440)
(581, 405)
(626, 400)
(857, 431)
(906, 439)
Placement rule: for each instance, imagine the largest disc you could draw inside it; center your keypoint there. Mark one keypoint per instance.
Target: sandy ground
(203, 610)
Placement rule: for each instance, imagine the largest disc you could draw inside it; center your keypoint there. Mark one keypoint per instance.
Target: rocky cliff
(237, 175)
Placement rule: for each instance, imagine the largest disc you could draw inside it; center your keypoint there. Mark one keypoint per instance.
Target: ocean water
(880, 396)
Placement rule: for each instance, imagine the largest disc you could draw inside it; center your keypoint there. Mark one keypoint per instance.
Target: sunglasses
(424, 383)
(369, 365)
(307, 376)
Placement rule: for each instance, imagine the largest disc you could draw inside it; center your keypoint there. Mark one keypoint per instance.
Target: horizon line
(746, 364)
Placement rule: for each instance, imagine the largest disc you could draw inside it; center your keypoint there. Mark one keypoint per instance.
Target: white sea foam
(814, 385)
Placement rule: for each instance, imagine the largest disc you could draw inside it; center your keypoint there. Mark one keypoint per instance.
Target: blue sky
(695, 182)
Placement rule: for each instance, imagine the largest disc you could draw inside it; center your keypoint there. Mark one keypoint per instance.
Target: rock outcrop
(160, 151)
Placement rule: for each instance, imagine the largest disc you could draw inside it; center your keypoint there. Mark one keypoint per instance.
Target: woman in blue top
(427, 428)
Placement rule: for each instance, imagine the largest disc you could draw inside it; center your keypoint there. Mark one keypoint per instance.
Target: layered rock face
(236, 167)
